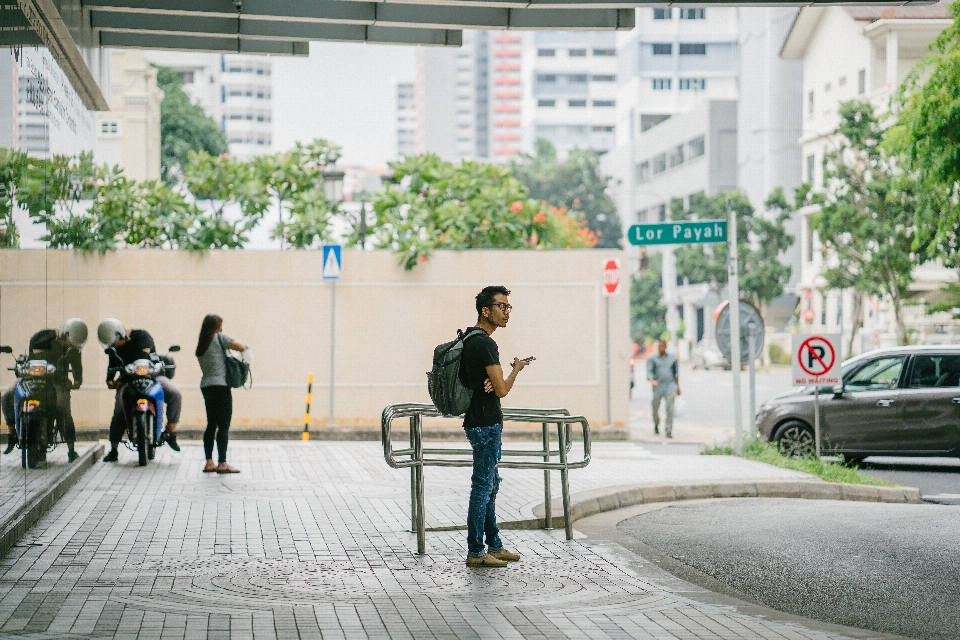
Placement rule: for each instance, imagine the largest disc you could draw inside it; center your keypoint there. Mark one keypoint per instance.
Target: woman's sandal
(209, 469)
(225, 468)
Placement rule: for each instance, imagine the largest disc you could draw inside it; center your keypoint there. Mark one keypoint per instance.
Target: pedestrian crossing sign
(331, 261)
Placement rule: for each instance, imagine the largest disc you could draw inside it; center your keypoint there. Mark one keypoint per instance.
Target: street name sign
(696, 232)
(611, 276)
(331, 261)
(816, 359)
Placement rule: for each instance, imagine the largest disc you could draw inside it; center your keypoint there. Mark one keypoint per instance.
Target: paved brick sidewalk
(309, 541)
(18, 485)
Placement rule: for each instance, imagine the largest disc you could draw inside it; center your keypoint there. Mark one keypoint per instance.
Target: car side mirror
(838, 391)
(6, 349)
(174, 348)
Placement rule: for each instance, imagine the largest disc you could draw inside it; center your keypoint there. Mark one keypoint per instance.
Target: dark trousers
(484, 485)
(219, 403)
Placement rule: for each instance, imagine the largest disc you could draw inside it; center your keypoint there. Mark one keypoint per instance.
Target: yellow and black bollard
(306, 416)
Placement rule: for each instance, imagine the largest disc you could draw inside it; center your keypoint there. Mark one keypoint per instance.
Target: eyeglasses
(503, 306)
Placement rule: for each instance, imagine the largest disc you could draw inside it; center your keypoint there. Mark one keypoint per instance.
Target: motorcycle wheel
(31, 450)
(141, 428)
(151, 446)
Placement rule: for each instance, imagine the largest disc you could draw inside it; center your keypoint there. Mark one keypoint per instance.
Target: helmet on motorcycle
(109, 331)
(74, 330)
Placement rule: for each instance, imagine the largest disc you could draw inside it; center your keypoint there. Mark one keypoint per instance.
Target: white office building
(857, 53)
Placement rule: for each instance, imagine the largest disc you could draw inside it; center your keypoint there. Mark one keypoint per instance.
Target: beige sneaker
(506, 556)
(487, 560)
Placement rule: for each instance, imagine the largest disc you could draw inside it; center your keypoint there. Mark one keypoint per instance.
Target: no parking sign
(816, 359)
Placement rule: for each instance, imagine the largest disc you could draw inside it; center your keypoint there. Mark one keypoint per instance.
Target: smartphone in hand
(530, 359)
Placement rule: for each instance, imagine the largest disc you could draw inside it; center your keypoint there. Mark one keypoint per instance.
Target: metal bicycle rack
(416, 457)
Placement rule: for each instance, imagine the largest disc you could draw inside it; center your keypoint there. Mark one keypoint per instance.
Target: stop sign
(611, 276)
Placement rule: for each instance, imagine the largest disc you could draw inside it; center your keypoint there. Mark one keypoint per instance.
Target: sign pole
(816, 418)
(333, 336)
(734, 280)
(606, 305)
(752, 418)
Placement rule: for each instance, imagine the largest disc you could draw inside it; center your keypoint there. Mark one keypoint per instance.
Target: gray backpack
(449, 395)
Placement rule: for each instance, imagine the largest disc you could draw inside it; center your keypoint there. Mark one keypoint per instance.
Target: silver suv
(903, 401)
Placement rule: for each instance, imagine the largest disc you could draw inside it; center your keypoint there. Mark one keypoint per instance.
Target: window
(693, 14)
(827, 87)
(605, 52)
(811, 164)
(662, 49)
(693, 84)
(604, 78)
(881, 374)
(236, 116)
(546, 102)
(604, 103)
(693, 49)
(935, 371)
(642, 216)
(862, 81)
(662, 14)
(661, 213)
(577, 78)
(603, 128)
(810, 103)
(661, 84)
(578, 53)
(643, 171)
(108, 128)
(659, 163)
(696, 147)
(186, 76)
(676, 156)
(809, 239)
(546, 53)
(546, 77)
(576, 103)
(842, 82)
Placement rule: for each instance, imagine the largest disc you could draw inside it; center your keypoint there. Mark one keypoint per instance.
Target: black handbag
(236, 370)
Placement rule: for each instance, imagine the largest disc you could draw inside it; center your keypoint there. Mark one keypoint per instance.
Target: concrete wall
(387, 321)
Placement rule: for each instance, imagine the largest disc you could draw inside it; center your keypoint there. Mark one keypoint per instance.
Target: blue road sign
(331, 261)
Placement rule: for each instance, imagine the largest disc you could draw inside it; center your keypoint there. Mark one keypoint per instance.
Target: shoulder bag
(236, 371)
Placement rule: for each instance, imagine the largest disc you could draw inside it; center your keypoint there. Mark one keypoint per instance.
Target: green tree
(927, 138)
(868, 212)
(575, 184)
(647, 312)
(220, 181)
(12, 164)
(760, 242)
(472, 205)
(184, 127)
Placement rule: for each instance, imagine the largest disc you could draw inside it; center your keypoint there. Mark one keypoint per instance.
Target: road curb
(14, 526)
(588, 503)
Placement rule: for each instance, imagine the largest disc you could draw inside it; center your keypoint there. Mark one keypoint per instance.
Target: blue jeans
(484, 484)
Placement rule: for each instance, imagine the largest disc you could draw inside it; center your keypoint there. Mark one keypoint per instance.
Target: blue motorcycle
(142, 400)
(39, 424)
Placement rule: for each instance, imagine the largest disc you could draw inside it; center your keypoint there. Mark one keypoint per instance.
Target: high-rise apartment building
(406, 120)
(506, 85)
(571, 96)
(235, 90)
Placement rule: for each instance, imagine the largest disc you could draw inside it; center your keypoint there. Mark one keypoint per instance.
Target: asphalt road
(885, 567)
(937, 478)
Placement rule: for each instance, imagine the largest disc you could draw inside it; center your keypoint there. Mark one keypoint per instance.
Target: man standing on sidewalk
(663, 372)
(480, 372)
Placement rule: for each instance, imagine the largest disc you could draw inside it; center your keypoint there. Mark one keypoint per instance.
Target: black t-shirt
(45, 346)
(132, 349)
(479, 352)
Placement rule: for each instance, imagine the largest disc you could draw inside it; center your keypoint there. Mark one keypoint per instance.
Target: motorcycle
(40, 426)
(143, 402)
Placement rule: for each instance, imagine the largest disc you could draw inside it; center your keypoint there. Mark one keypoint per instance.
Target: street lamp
(333, 183)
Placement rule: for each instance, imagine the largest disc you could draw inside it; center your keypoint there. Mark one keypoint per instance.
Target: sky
(344, 92)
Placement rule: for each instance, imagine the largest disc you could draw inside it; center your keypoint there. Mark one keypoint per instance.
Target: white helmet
(109, 331)
(74, 330)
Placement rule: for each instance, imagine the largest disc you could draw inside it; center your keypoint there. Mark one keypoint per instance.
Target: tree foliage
(927, 138)
(868, 212)
(184, 127)
(440, 205)
(647, 312)
(761, 239)
(575, 184)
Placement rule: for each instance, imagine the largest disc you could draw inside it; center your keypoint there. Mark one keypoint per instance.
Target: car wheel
(796, 440)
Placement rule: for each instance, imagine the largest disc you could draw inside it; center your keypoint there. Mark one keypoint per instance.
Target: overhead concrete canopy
(285, 27)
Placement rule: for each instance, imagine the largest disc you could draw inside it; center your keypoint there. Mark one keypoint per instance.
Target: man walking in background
(663, 372)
